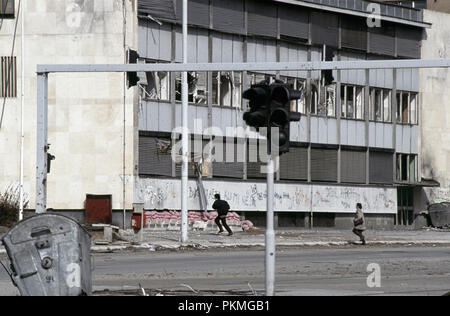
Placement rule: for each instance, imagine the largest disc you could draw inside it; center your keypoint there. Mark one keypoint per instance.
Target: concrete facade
(435, 110)
(438, 5)
(86, 111)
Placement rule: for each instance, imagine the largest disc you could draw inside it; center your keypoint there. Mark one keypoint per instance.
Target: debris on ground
(106, 234)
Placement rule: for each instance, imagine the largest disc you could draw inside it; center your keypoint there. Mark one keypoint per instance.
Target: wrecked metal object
(50, 256)
(439, 214)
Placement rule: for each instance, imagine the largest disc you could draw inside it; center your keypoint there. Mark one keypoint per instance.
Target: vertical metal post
(42, 144)
(270, 234)
(185, 141)
(22, 107)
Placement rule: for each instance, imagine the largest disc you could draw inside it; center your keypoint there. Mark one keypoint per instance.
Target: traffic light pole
(185, 141)
(270, 234)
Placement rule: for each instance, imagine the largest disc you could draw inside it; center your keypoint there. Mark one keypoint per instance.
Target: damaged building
(359, 138)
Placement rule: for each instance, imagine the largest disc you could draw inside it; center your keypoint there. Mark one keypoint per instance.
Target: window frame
(382, 105)
(216, 89)
(8, 77)
(345, 102)
(405, 160)
(405, 97)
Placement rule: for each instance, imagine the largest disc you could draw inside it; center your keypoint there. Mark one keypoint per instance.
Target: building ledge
(425, 183)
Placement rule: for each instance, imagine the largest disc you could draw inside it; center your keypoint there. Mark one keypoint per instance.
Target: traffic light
(270, 106)
(258, 96)
(280, 113)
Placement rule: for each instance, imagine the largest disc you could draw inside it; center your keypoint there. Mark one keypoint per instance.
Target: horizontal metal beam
(288, 66)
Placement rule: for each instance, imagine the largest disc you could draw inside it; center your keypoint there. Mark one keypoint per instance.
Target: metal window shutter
(325, 28)
(262, 18)
(409, 41)
(151, 160)
(382, 40)
(354, 33)
(159, 9)
(294, 164)
(324, 165)
(353, 166)
(229, 169)
(381, 167)
(228, 16)
(254, 168)
(294, 21)
(198, 12)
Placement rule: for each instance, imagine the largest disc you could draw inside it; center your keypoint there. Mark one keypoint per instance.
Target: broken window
(301, 103)
(158, 84)
(352, 102)
(197, 87)
(412, 168)
(294, 83)
(380, 105)
(330, 100)
(407, 107)
(314, 97)
(406, 167)
(257, 78)
(227, 88)
(297, 84)
(405, 112)
(360, 103)
(386, 105)
(413, 108)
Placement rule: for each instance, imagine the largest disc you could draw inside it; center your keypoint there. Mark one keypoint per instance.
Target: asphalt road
(403, 271)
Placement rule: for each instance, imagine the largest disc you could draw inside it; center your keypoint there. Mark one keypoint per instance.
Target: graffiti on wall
(437, 195)
(164, 194)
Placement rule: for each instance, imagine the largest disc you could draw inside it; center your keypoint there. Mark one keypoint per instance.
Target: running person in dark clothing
(222, 208)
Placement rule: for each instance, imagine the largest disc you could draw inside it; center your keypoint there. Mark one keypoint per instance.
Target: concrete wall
(435, 110)
(439, 5)
(161, 194)
(85, 110)
(378, 221)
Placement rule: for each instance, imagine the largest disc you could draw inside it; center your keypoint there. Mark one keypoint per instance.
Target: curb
(156, 247)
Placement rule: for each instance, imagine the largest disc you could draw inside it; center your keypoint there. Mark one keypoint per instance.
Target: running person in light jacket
(359, 223)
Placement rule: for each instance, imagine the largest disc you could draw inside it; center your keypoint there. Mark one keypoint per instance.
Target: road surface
(402, 271)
